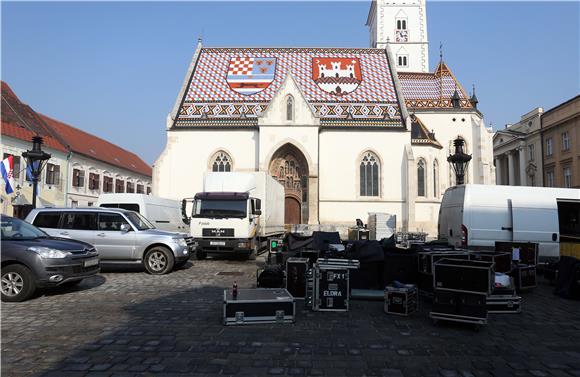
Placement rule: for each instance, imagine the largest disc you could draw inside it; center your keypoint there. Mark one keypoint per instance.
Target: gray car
(120, 236)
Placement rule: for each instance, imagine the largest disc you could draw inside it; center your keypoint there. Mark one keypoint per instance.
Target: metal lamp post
(34, 159)
(459, 160)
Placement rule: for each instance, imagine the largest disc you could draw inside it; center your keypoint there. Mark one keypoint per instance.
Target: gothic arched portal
(289, 167)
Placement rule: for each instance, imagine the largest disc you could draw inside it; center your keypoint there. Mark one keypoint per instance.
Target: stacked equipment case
(330, 290)
(260, 305)
(401, 300)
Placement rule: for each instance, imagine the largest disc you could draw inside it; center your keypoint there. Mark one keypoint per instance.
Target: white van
(476, 216)
(165, 214)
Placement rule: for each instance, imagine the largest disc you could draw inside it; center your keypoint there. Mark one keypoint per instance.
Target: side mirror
(258, 206)
(184, 217)
(125, 228)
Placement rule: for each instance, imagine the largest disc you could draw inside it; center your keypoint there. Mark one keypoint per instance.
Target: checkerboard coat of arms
(250, 75)
(338, 76)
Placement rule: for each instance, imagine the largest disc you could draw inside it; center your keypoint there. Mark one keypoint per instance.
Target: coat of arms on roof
(250, 75)
(338, 76)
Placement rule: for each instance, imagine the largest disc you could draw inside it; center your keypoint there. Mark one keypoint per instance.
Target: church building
(347, 131)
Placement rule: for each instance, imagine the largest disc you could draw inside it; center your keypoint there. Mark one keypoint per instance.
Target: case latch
(279, 315)
(239, 317)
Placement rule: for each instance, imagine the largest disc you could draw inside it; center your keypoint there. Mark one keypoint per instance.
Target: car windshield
(15, 229)
(138, 221)
(220, 208)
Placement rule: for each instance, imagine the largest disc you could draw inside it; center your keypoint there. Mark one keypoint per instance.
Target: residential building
(560, 135)
(517, 152)
(347, 131)
(81, 167)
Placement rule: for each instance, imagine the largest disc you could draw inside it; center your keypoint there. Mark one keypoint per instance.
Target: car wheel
(159, 261)
(17, 283)
(200, 255)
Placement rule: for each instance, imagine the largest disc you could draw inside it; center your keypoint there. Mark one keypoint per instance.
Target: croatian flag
(7, 168)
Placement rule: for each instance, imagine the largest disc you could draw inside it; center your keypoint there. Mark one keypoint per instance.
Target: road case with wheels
(260, 305)
(330, 288)
(296, 269)
(459, 307)
(464, 275)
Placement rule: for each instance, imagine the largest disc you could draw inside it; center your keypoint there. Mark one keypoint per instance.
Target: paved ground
(126, 323)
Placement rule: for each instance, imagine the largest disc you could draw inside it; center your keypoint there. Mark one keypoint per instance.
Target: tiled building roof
(432, 89)
(94, 147)
(22, 122)
(420, 135)
(216, 87)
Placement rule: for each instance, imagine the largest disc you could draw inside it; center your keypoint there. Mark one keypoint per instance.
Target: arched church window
(289, 108)
(421, 178)
(404, 24)
(399, 24)
(222, 162)
(369, 175)
(435, 178)
(287, 167)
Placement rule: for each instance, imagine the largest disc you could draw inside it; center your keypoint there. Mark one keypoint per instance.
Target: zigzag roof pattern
(209, 95)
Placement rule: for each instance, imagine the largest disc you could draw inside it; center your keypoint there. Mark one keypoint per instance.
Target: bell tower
(403, 25)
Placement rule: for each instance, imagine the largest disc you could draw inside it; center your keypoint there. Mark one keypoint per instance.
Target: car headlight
(48, 253)
(180, 241)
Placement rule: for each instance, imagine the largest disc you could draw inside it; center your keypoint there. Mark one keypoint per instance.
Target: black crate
(464, 275)
(260, 305)
(401, 300)
(503, 261)
(497, 303)
(426, 283)
(459, 307)
(296, 269)
(524, 277)
(528, 251)
(312, 256)
(427, 259)
(330, 288)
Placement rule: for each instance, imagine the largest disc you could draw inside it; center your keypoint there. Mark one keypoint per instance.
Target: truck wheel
(159, 260)
(200, 255)
(17, 283)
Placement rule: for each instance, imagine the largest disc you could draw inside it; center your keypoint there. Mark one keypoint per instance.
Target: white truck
(165, 214)
(476, 216)
(236, 213)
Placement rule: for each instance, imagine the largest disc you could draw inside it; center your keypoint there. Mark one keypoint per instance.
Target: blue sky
(114, 69)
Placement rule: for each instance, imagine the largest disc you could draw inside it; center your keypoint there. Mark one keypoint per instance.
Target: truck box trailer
(476, 216)
(236, 213)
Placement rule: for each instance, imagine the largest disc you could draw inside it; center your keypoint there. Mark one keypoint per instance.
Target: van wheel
(200, 255)
(159, 260)
(17, 283)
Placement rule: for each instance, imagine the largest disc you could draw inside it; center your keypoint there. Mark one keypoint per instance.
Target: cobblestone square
(127, 323)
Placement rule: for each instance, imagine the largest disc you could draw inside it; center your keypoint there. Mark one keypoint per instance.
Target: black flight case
(259, 305)
(296, 276)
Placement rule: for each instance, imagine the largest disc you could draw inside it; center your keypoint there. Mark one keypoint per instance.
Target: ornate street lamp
(459, 160)
(35, 159)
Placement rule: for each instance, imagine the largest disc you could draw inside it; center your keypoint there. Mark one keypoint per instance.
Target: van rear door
(536, 223)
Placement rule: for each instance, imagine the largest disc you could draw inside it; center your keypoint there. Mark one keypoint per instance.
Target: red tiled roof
(22, 122)
(216, 89)
(94, 147)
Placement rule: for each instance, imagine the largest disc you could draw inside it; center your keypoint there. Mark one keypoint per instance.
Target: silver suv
(120, 236)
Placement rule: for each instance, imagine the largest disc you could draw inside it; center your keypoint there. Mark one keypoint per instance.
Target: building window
(78, 178)
(369, 175)
(549, 147)
(52, 174)
(221, 162)
(148, 190)
(550, 179)
(402, 60)
(531, 152)
(421, 178)
(565, 141)
(140, 189)
(16, 161)
(435, 178)
(567, 177)
(94, 181)
(119, 185)
(130, 187)
(401, 24)
(74, 204)
(289, 108)
(107, 184)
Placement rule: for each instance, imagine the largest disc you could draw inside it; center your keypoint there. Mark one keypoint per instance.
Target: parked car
(165, 214)
(31, 259)
(120, 236)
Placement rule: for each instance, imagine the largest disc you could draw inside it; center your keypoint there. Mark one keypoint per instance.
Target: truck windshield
(220, 208)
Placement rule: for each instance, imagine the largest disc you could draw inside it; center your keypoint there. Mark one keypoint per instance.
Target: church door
(289, 167)
(291, 211)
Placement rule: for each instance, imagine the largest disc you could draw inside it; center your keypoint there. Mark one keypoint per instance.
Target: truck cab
(226, 223)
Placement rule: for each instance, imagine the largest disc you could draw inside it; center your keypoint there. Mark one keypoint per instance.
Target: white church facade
(343, 129)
